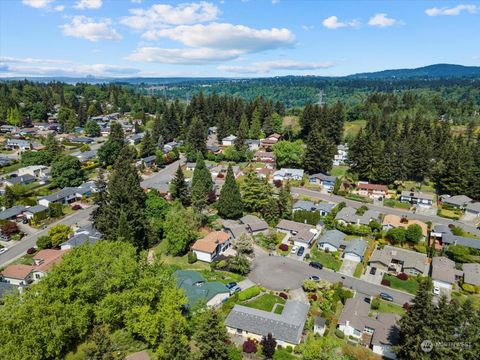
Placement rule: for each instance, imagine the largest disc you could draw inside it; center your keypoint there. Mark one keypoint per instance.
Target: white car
(294, 249)
(3, 250)
(436, 290)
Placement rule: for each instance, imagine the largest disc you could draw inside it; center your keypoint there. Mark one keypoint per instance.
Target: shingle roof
(410, 259)
(287, 326)
(21, 179)
(457, 200)
(471, 273)
(323, 177)
(349, 215)
(18, 271)
(254, 223)
(356, 246)
(290, 225)
(59, 195)
(418, 195)
(473, 207)
(11, 212)
(210, 242)
(304, 236)
(36, 209)
(333, 237)
(449, 238)
(443, 269)
(195, 287)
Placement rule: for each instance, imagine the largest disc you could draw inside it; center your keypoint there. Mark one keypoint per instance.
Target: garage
(352, 257)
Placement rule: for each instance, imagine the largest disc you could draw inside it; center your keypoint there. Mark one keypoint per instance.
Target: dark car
(386, 297)
(314, 278)
(368, 299)
(231, 285)
(300, 251)
(315, 265)
(373, 270)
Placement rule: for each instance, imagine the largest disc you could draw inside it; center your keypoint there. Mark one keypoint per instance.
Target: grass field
(326, 259)
(352, 128)
(339, 170)
(410, 285)
(389, 307)
(265, 302)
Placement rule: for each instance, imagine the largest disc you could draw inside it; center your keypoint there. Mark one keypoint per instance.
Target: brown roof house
(211, 246)
(373, 191)
(391, 221)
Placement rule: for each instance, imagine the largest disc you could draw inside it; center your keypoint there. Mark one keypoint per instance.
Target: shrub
(313, 297)
(406, 306)
(283, 247)
(375, 304)
(249, 293)
(402, 276)
(76, 207)
(283, 295)
(289, 349)
(339, 333)
(249, 347)
(192, 257)
(9, 228)
(222, 264)
(468, 288)
(386, 282)
(31, 251)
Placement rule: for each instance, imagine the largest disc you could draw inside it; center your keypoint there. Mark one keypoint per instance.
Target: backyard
(410, 285)
(328, 260)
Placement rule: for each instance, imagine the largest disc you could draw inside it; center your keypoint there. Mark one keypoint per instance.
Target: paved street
(160, 179)
(384, 209)
(18, 249)
(279, 273)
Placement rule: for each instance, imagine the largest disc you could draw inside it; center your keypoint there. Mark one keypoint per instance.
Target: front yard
(410, 285)
(326, 259)
(389, 307)
(267, 302)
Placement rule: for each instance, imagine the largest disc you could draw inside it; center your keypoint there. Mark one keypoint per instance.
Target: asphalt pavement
(385, 209)
(280, 273)
(19, 248)
(159, 180)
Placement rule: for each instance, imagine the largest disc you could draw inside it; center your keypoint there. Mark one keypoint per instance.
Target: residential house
(391, 221)
(323, 208)
(38, 171)
(4, 161)
(12, 213)
(456, 201)
(212, 130)
(271, 140)
(9, 129)
(348, 215)
(473, 208)
(253, 145)
(267, 157)
(220, 171)
(285, 174)
(81, 140)
(396, 260)
(197, 289)
(68, 195)
(334, 240)
(263, 172)
(86, 234)
(19, 180)
(190, 166)
(417, 198)
(234, 229)
(443, 272)
(148, 161)
(379, 333)
(471, 274)
(229, 140)
(286, 328)
(442, 235)
(135, 139)
(31, 211)
(86, 156)
(341, 157)
(17, 274)
(325, 181)
(254, 225)
(319, 325)
(373, 191)
(300, 234)
(213, 149)
(211, 246)
(18, 144)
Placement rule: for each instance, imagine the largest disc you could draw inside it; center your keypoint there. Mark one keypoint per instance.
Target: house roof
(21, 179)
(356, 246)
(290, 225)
(418, 195)
(265, 154)
(47, 258)
(87, 155)
(287, 326)
(323, 177)
(443, 269)
(449, 239)
(368, 187)
(11, 212)
(210, 242)
(36, 209)
(195, 287)
(18, 271)
(410, 259)
(304, 236)
(229, 138)
(474, 207)
(349, 215)
(319, 321)
(354, 311)
(85, 234)
(457, 200)
(235, 229)
(254, 223)
(289, 172)
(333, 237)
(59, 195)
(387, 330)
(471, 274)
(397, 221)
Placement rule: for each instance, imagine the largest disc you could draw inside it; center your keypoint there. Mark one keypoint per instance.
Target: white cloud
(308, 27)
(381, 20)
(59, 8)
(87, 28)
(183, 56)
(454, 11)
(332, 22)
(159, 15)
(37, 4)
(88, 4)
(10, 59)
(263, 67)
(224, 36)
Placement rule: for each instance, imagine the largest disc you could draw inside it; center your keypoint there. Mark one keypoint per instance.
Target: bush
(386, 282)
(76, 207)
(375, 304)
(9, 228)
(283, 295)
(402, 276)
(283, 247)
(192, 257)
(249, 293)
(406, 306)
(468, 288)
(289, 349)
(222, 264)
(339, 333)
(31, 251)
(249, 347)
(313, 297)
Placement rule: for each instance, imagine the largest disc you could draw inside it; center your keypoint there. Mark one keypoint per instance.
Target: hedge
(249, 293)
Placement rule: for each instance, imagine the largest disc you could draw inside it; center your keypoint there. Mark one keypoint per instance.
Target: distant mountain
(430, 71)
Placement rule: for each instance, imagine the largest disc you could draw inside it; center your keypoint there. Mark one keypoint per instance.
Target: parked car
(314, 278)
(301, 251)
(31, 251)
(294, 249)
(436, 290)
(368, 299)
(316, 265)
(386, 297)
(25, 221)
(373, 270)
(233, 287)
(3, 250)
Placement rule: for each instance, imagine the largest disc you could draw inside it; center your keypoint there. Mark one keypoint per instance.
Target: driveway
(280, 273)
(375, 279)
(161, 179)
(348, 267)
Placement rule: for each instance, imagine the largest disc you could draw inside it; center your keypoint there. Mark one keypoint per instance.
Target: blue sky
(234, 38)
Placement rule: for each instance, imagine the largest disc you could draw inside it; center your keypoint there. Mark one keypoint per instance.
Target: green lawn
(352, 128)
(410, 285)
(279, 309)
(265, 302)
(339, 170)
(11, 168)
(326, 259)
(223, 276)
(397, 204)
(358, 270)
(449, 214)
(389, 307)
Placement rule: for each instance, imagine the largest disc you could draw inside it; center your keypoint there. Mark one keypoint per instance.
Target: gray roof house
(83, 235)
(293, 227)
(457, 201)
(303, 238)
(471, 274)
(443, 271)
(22, 180)
(86, 155)
(355, 247)
(32, 210)
(254, 224)
(397, 260)
(473, 208)
(335, 238)
(348, 215)
(288, 174)
(286, 328)
(323, 208)
(11, 213)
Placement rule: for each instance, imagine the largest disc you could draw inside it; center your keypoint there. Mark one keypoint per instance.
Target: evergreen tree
(211, 337)
(99, 215)
(148, 146)
(256, 193)
(319, 153)
(197, 136)
(179, 188)
(110, 150)
(256, 126)
(67, 171)
(53, 147)
(271, 212)
(180, 229)
(201, 183)
(242, 134)
(285, 201)
(230, 201)
(92, 128)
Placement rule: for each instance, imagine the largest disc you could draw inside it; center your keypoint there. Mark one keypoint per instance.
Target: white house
(229, 140)
(341, 156)
(38, 171)
(211, 246)
(288, 174)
